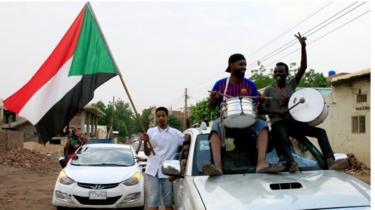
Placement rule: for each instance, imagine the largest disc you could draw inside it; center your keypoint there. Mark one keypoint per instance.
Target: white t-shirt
(165, 143)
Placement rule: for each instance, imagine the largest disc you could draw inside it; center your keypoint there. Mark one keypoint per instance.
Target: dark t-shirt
(280, 99)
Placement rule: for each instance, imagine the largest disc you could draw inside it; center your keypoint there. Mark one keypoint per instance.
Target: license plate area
(97, 194)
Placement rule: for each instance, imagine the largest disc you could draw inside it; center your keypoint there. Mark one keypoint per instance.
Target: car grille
(87, 201)
(98, 186)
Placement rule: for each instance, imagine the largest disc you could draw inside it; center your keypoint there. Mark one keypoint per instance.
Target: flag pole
(121, 78)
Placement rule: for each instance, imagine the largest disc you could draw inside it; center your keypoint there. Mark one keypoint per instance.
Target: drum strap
(222, 128)
(226, 88)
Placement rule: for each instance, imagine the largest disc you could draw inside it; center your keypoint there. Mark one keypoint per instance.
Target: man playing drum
(283, 125)
(236, 85)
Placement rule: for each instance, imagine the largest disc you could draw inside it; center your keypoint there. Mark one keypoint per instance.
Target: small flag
(66, 81)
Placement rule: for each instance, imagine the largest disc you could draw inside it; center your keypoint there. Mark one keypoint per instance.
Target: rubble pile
(356, 167)
(31, 160)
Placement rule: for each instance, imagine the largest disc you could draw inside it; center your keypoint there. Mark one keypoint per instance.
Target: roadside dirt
(27, 176)
(27, 179)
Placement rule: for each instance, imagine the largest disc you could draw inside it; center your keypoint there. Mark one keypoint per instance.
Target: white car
(241, 188)
(100, 176)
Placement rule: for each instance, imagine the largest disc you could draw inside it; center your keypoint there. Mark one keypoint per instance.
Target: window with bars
(361, 98)
(359, 124)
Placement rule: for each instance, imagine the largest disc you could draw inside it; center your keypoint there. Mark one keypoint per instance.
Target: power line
(334, 19)
(299, 23)
(292, 42)
(290, 29)
(322, 36)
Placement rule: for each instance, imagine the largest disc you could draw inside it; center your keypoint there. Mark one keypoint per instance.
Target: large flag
(66, 81)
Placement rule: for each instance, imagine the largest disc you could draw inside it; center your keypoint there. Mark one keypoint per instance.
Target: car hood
(100, 174)
(318, 189)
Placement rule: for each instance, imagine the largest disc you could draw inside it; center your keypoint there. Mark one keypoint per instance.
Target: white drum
(238, 112)
(314, 110)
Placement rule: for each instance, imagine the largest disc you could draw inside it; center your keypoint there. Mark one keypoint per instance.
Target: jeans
(157, 189)
(283, 129)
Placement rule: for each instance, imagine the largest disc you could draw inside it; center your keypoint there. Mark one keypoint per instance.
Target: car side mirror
(171, 168)
(62, 162)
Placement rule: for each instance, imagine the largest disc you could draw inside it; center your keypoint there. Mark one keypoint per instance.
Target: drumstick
(300, 101)
(266, 97)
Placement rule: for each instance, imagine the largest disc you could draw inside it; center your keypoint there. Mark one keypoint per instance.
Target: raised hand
(301, 39)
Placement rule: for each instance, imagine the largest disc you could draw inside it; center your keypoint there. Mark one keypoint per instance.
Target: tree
(313, 79)
(310, 79)
(145, 119)
(123, 118)
(201, 113)
(174, 122)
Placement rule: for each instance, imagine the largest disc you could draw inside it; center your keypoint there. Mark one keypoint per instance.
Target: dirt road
(23, 189)
(27, 180)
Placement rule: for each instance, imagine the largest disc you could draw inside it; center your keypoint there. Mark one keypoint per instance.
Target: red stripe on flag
(63, 51)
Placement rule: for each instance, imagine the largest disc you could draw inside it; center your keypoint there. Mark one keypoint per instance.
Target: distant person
(234, 86)
(283, 125)
(71, 144)
(83, 138)
(165, 141)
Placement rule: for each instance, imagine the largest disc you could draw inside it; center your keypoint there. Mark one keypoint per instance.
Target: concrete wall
(11, 139)
(343, 105)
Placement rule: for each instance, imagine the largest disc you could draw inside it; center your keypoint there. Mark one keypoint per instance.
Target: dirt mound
(356, 167)
(44, 149)
(31, 160)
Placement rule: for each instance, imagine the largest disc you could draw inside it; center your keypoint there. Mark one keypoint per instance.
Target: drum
(314, 110)
(238, 112)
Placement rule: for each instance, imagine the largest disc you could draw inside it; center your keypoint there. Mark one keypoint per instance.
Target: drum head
(239, 121)
(310, 109)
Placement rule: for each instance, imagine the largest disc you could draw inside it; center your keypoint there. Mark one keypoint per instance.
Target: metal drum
(238, 112)
(313, 110)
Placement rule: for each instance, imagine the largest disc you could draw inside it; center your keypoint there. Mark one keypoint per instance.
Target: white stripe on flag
(48, 95)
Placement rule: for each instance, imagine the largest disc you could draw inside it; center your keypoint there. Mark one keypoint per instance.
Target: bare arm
(303, 65)
(146, 142)
(212, 101)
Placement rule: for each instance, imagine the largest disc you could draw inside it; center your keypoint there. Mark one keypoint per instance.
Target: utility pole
(185, 109)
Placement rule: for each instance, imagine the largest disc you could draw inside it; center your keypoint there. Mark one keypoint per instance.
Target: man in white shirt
(165, 141)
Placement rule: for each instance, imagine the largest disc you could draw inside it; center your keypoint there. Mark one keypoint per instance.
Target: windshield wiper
(108, 164)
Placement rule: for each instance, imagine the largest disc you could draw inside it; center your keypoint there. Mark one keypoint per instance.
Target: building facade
(348, 122)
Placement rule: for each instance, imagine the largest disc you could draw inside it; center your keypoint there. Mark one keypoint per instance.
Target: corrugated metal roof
(346, 77)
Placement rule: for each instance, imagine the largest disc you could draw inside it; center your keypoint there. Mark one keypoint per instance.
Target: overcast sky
(164, 47)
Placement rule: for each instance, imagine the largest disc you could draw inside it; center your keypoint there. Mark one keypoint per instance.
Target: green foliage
(123, 118)
(174, 122)
(313, 79)
(262, 80)
(201, 113)
(310, 78)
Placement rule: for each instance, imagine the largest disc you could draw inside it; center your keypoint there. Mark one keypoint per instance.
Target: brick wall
(11, 139)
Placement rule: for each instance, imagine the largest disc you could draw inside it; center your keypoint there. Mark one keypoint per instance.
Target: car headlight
(64, 179)
(133, 180)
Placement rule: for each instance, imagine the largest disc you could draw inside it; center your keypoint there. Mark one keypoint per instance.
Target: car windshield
(239, 158)
(94, 156)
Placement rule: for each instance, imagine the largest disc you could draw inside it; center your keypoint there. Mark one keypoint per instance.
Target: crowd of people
(166, 140)
(162, 141)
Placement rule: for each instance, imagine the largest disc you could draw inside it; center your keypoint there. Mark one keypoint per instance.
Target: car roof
(197, 131)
